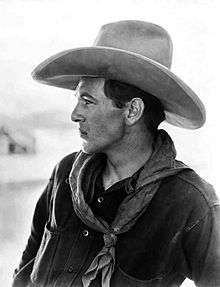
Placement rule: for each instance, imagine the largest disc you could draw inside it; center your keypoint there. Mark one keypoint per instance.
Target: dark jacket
(177, 237)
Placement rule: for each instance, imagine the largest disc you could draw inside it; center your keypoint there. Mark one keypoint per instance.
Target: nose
(76, 116)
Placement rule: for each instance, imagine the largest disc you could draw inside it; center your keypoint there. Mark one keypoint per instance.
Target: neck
(126, 159)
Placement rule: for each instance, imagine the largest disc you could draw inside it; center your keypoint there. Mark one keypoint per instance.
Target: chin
(90, 148)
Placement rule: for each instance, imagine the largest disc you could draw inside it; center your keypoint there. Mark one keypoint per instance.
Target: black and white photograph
(109, 143)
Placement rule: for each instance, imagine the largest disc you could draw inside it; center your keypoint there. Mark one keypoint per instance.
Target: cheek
(110, 124)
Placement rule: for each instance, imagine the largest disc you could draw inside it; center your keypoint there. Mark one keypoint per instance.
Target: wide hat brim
(182, 106)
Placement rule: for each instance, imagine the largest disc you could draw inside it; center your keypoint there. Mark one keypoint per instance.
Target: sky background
(32, 30)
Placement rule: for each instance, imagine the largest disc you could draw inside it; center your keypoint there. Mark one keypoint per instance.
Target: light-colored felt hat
(133, 52)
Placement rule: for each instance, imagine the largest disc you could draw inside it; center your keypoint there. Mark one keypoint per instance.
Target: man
(123, 211)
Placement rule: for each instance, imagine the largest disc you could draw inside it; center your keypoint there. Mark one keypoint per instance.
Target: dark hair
(121, 93)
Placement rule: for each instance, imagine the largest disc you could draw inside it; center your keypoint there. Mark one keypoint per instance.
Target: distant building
(16, 141)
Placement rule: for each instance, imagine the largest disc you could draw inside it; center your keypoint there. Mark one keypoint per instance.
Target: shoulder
(187, 193)
(198, 187)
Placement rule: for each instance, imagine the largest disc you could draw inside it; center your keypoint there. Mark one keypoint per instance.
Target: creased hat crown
(139, 37)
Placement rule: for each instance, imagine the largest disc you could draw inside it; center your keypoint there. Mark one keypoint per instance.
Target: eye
(87, 102)
(86, 99)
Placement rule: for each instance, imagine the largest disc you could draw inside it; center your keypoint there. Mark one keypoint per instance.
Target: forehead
(91, 85)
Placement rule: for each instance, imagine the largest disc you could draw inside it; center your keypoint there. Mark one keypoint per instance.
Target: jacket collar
(162, 162)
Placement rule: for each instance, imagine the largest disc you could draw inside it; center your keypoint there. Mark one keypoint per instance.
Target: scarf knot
(109, 239)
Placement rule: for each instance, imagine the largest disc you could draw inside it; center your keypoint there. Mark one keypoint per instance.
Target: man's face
(101, 125)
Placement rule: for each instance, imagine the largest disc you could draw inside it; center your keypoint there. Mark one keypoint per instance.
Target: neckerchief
(161, 164)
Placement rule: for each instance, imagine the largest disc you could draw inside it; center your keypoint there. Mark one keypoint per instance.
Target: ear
(134, 110)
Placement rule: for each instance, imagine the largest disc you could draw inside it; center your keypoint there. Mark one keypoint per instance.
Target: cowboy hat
(133, 52)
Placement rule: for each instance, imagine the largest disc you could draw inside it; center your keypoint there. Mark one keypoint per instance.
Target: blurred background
(35, 127)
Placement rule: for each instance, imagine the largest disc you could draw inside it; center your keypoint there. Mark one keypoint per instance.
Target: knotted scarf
(161, 164)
